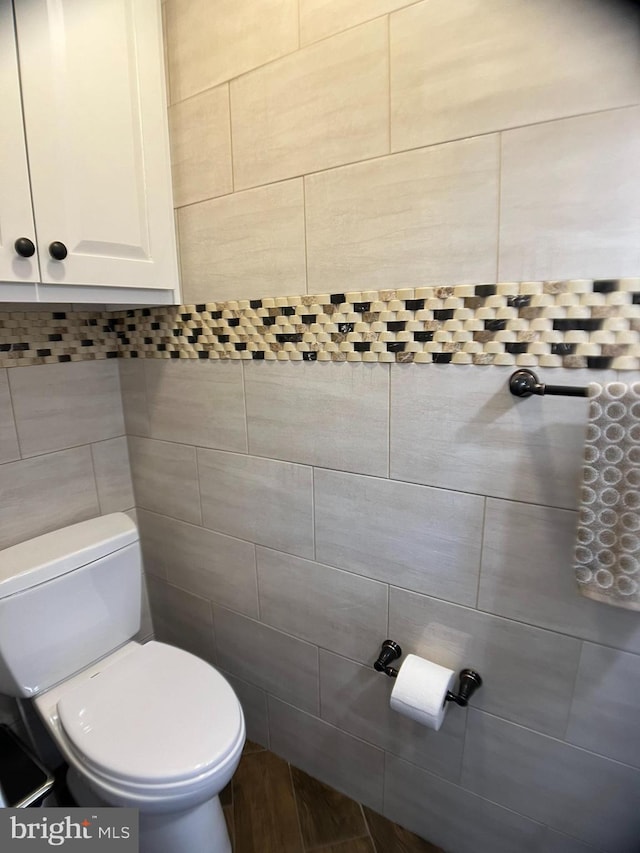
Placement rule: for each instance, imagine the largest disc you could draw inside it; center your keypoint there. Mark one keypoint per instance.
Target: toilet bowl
(145, 726)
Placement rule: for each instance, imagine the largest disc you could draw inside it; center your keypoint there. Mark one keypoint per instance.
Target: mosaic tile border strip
(577, 323)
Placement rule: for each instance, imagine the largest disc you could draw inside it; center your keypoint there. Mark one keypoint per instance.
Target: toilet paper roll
(421, 689)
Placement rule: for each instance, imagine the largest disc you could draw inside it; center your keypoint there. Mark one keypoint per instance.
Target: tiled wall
(294, 515)
(63, 451)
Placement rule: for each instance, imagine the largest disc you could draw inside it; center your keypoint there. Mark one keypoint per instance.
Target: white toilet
(148, 726)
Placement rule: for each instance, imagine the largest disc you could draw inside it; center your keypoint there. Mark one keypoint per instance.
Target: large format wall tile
(527, 574)
(334, 757)
(532, 773)
(9, 450)
(200, 561)
(244, 246)
(462, 429)
(452, 817)
(44, 493)
(181, 619)
(165, 478)
(200, 132)
(193, 402)
(262, 500)
(64, 405)
(413, 536)
(276, 662)
(527, 673)
(113, 475)
(321, 18)
(425, 217)
(134, 395)
(254, 708)
(464, 68)
(568, 201)
(339, 115)
(355, 698)
(331, 415)
(209, 43)
(334, 609)
(606, 704)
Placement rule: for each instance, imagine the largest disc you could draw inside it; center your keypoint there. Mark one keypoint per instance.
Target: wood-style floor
(272, 807)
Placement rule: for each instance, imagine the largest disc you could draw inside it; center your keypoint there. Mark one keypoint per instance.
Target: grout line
(95, 478)
(295, 800)
(13, 416)
(480, 554)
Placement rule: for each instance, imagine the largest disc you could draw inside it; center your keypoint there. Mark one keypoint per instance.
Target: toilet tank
(67, 598)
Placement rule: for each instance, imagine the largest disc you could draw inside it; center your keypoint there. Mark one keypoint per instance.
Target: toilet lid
(158, 715)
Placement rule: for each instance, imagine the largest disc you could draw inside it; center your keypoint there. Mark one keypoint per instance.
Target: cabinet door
(95, 120)
(16, 219)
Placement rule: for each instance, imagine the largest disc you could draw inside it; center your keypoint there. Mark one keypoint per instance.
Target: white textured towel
(608, 537)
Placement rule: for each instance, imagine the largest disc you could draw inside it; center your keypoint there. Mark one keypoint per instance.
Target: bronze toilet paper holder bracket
(470, 680)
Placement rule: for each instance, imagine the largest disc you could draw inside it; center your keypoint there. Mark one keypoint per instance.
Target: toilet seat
(157, 718)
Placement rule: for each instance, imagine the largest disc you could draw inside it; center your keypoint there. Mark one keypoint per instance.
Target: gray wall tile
(134, 395)
(336, 758)
(606, 704)
(527, 574)
(208, 564)
(196, 402)
(44, 493)
(568, 202)
(572, 790)
(113, 475)
(331, 415)
(9, 450)
(527, 673)
(181, 619)
(264, 501)
(558, 842)
(334, 609)
(355, 699)
(413, 536)
(452, 817)
(165, 478)
(63, 405)
(266, 658)
(254, 708)
(462, 429)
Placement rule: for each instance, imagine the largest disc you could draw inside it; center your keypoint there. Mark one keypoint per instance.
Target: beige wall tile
(165, 478)
(44, 493)
(63, 405)
(482, 439)
(527, 574)
(332, 415)
(334, 757)
(321, 18)
(335, 609)
(134, 395)
(261, 500)
(208, 564)
(9, 449)
(269, 659)
(182, 619)
(113, 475)
(464, 68)
(413, 536)
(244, 246)
(209, 43)
(425, 217)
(196, 402)
(569, 201)
(201, 147)
(325, 105)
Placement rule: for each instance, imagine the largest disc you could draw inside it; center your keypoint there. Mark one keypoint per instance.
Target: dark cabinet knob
(24, 247)
(57, 250)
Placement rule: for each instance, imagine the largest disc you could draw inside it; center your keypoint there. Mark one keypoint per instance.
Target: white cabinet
(93, 105)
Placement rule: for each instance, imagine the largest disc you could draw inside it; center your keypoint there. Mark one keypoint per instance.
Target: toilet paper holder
(469, 679)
